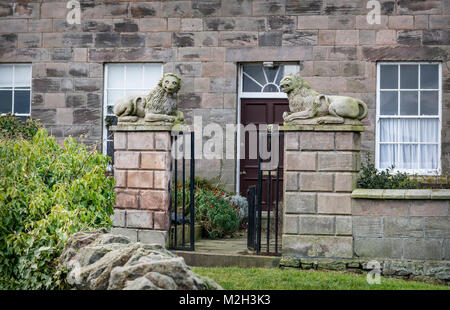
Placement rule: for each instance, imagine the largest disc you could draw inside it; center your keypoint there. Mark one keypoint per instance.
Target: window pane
(271, 73)
(388, 153)
(429, 76)
(388, 130)
(408, 157)
(22, 76)
(408, 130)
(113, 96)
(110, 120)
(6, 75)
(388, 76)
(110, 110)
(270, 88)
(409, 103)
(22, 102)
(135, 92)
(409, 75)
(110, 150)
(388, 103)
(429, 156)
(429, 103)
(250, 85)
(116, 75)
(282, 73)
(255, 71)
(5, 101)
(134, 76)
(429, 130)
(152, 75)
(110, 135)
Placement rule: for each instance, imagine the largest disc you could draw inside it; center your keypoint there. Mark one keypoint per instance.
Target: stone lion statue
(310, 107)
(158, 107)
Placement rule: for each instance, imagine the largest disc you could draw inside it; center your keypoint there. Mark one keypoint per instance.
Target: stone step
(199, 259)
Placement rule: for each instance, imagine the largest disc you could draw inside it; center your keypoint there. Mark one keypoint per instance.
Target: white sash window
(409, 117)
(15, 89)
(122, 80)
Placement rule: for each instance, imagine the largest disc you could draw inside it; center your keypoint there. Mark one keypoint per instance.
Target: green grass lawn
(294, 279)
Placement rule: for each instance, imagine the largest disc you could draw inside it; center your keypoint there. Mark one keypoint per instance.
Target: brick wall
(142, 170)
(320, 172)
(204, 40)
(402, 229)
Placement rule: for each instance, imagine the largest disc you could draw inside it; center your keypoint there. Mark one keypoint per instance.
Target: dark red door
(261, 111)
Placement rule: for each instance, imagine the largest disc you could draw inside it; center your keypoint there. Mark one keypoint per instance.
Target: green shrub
(47, 192)
(372, 178)
(11, 127)
(205, 193)
(215, 213)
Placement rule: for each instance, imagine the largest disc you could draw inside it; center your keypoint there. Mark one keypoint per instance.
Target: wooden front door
(261, 111)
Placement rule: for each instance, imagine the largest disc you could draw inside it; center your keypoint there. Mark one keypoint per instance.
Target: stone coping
(362, 193)
(143, 127)
(344, 127)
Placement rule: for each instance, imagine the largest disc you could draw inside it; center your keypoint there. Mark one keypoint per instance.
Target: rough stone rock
(103, 261)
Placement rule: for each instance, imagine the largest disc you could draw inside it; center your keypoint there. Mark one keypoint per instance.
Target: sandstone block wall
(142, 170)
(203, 41)
(320, 173)
(401, 229)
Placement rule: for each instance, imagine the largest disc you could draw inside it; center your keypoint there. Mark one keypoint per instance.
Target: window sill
(433, 194)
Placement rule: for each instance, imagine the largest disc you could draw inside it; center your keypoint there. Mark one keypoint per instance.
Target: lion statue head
(292, 82)
(170, 82)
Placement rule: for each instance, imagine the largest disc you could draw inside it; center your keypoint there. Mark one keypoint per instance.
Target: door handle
(243, 172)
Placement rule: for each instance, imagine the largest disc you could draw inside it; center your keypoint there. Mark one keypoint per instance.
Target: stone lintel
(345, 127)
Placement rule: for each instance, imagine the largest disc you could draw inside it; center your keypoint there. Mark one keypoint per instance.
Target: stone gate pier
(321, 164)
(142, 170)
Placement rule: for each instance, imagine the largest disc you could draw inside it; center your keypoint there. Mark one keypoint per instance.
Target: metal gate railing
(179, 219)
(255, 204)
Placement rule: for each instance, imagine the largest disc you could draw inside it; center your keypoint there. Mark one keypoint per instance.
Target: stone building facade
(204, 42)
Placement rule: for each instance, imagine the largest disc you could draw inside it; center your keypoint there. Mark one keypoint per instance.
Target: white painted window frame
(105, 94)
(24, 88)
(378, 116)
(249, 95)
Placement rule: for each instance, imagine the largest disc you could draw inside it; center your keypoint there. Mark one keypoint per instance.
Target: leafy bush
(11, 127)
(199, 183)
(215, 213)
(372, 178)
(223, 202)
(47, 192)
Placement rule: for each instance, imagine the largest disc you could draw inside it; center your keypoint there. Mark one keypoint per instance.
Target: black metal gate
(182, 218)
(255, 197)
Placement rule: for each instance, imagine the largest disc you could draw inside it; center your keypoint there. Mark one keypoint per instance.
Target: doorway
(260, 111)
(260, 101)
